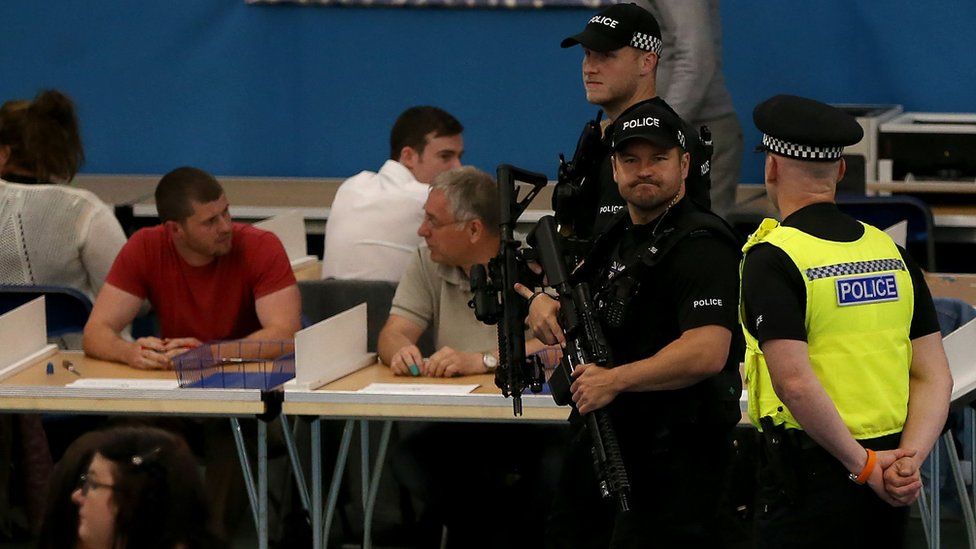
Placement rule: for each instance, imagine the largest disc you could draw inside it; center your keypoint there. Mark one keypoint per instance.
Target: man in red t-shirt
(206, 278)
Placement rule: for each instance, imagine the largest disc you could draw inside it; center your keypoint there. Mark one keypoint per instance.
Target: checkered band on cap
(805, 152)
(855, 267)
(647, 42)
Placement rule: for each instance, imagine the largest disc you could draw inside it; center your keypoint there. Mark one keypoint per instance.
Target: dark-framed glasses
(86, 485)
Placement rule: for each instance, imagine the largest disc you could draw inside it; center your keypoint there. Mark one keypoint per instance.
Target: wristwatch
(489, 361)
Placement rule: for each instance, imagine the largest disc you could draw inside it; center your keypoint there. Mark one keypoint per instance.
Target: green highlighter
(414, 370)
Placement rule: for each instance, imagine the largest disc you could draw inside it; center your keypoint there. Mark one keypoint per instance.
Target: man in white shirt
(371, 233)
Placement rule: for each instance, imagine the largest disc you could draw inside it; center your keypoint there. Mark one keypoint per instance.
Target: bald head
(793, 183)
(809, 172)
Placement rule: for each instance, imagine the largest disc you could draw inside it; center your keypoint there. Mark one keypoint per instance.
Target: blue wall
(300, 91)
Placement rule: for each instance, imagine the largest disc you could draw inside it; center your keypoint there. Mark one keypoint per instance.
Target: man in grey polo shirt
(460, 228)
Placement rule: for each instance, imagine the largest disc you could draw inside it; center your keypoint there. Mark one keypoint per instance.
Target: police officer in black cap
(665, 285)
(621, 50)
(846, 374)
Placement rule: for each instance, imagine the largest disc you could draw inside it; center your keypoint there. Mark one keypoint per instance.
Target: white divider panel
(331, 349)
(960, 348)
(290, 229)
(899, 232)
(23, 337)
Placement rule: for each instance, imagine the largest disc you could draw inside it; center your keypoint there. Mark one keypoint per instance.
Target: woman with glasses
(140, 489)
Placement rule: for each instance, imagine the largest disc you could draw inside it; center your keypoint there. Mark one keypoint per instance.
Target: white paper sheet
(899, 232)
(23, 332)
(124, 383)
(341, 338)
(959, 346)
(290, 229)
(417, 389)
(301, 262)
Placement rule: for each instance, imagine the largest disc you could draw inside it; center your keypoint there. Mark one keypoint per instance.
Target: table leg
(923, 511)
(316, 432)
(955, 468)
(235, 428)
(263, 484)
(370, 502)
(364, 459)
(337, 471)
(296, 463)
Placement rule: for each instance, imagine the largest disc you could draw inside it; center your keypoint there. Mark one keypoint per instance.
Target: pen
(67, 365)
(237, 360)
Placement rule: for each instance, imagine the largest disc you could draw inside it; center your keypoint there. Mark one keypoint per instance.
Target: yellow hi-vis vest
(858, 314)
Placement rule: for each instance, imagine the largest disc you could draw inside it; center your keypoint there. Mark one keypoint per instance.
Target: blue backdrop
(312, 91)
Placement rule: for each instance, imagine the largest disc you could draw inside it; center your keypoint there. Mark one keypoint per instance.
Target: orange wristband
(868, 468)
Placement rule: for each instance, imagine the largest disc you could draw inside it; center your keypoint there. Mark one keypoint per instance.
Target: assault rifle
(585, 343)
(495, 300)
(573, 210)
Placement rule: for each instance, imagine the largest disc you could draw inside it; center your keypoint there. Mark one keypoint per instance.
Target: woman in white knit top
(50, 234)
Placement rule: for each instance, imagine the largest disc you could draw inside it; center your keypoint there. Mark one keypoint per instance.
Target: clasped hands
(896, 477)
(446, 362)
(153, 353)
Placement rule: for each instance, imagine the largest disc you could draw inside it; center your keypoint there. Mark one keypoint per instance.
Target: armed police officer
(664, 280)
(847, 377)
(621, 51)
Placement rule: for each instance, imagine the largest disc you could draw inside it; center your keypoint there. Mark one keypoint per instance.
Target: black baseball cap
(650, 122)
(618, 26)
(805, 129)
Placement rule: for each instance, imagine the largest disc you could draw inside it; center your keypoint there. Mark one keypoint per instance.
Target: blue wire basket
(242, 364)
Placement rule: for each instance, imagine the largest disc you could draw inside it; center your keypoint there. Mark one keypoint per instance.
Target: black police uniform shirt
(607, 196)
(693, 285)
(773, 292)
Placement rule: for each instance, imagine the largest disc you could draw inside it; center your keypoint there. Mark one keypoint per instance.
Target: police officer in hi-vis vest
(847, 378)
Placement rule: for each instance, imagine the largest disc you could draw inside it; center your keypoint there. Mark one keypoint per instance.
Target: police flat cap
(805, 129)
(617, 26)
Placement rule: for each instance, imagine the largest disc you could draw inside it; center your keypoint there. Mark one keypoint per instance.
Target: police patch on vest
(866, 289)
